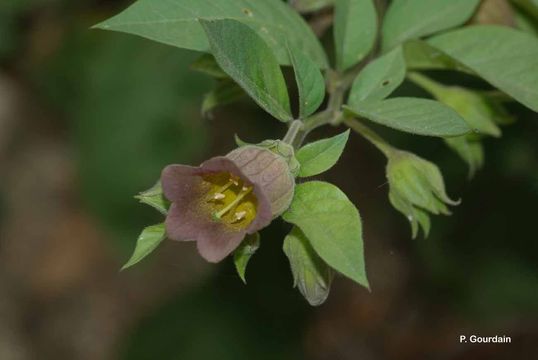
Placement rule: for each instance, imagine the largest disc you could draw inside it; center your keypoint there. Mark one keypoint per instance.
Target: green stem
(369, 135)
(294, 131)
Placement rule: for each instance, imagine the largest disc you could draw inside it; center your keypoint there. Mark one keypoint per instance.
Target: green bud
(416, 189)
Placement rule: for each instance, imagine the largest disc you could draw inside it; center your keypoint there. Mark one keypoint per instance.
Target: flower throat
(230, 200)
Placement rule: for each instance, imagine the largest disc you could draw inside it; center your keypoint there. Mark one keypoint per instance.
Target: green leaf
(421, 55)
(148, 241)
(154, 197)
(412, 19)
(413, 115)
(225, 92)
(207, 64)
(333, 226)
(321, 155)
(504, 57)
(243, 55)
(355, 27)
(310, 83)
(379, 78)
(176, 23)
(311, 274)
(305, 6)
(244, 252)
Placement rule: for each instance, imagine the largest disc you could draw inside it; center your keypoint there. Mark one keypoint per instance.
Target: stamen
(236, 201)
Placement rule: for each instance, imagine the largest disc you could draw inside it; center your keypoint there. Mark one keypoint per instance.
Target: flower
(416, 188)
(227, 197)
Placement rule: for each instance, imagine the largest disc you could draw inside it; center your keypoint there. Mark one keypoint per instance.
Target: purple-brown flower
(225, 198)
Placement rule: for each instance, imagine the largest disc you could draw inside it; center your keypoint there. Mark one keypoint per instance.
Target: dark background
(88, 119)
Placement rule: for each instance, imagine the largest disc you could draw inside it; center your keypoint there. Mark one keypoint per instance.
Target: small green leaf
(413, 115)
(240, 142)
(469, 150)
(504, 57)
(148, 241)
(306, 6)
(333, 226)
(207, 64)
(416, 216)
(321, 155)
(412, 19)
(310, 83)
(529, 6)
(244, 252)
(379, 78)
(474, 107)
(355, 28)
(177, 23)
(154, 197)
(243, 55)
(311, 274)
(526, 22)
(225, 92)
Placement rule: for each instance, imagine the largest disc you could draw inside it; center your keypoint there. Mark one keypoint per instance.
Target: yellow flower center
(230, 200)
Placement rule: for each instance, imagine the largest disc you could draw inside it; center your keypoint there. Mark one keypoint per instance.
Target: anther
(219, 196)
(238, 216)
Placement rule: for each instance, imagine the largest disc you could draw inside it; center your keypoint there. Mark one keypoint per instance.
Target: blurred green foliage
(133, 105)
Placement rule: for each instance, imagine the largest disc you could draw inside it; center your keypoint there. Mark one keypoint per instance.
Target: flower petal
(181, 183)
(216, 244)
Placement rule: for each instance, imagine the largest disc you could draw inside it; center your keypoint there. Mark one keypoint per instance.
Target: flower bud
(227, 197)
(416, 188)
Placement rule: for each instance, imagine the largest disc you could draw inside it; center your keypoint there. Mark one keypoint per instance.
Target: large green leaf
(310, 83)
(355, 27)
(319, 156)
(412, 19)
(413, 115)
(176, 22)
(311, 274)
(421, 55)
(379, 78)
(332, 224)
(148, 241)
(243, 55)
(506, 58)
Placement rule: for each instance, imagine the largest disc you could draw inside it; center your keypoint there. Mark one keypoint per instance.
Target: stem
(369, 135)
(294, 131)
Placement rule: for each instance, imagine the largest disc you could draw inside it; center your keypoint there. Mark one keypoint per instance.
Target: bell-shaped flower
(227, 197)
(416, 189)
